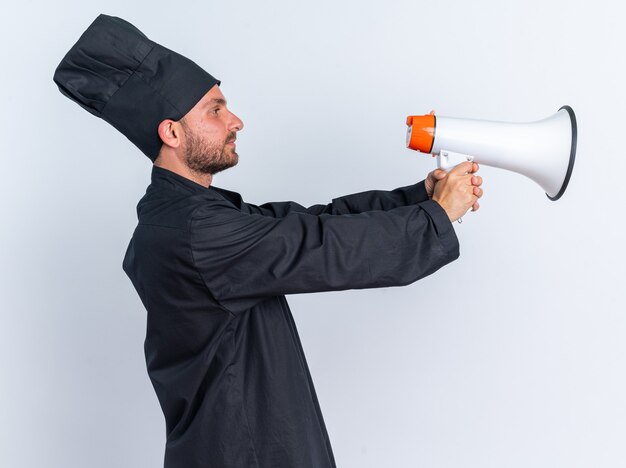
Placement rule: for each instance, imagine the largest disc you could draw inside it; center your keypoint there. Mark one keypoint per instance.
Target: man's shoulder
(172, 208)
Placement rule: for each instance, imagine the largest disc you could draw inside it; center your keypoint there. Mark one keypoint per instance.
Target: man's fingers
(477, 180)
(478, 192)
(475, 206)
(462, 169)
(475, 167)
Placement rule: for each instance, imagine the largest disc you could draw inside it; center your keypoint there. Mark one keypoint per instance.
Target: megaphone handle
(447, 160)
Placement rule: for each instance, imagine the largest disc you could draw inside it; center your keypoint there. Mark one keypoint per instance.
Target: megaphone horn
(544, 150)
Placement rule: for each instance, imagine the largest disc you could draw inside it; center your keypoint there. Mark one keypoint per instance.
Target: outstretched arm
(245, 258)
(354, 203)
(367, 201)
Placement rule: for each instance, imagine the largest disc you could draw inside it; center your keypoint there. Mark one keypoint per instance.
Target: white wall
(512, 356)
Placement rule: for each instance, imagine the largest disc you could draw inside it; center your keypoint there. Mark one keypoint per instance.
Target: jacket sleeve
(354, 203)
(245, 258)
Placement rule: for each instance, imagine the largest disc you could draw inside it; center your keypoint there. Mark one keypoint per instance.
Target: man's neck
(179, 168)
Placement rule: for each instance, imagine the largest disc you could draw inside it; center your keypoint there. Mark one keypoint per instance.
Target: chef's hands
(431, 180)
(456, 191)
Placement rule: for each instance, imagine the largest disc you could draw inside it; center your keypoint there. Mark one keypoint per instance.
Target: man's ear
(170, 133)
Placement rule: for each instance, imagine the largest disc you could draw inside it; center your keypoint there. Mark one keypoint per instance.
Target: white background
(512, 356)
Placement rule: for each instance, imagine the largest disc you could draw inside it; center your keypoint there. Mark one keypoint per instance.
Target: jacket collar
(161, 176)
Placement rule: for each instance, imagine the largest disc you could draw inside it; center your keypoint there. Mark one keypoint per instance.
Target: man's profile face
(210, 130)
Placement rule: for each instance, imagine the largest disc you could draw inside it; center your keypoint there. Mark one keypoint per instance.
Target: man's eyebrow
(215, 101)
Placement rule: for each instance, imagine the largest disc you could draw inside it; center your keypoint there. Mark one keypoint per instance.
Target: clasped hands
(456, 191)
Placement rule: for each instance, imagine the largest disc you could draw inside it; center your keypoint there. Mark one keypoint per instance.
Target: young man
(222, 349)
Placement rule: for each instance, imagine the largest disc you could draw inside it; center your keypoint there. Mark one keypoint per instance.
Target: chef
(212, 270)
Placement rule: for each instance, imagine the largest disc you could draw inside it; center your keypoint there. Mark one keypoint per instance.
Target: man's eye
(214, 111)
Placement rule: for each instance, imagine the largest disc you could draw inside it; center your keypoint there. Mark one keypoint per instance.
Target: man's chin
(234, 158)
(232, 162)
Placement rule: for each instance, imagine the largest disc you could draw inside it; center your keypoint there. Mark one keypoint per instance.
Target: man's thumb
(440, 174)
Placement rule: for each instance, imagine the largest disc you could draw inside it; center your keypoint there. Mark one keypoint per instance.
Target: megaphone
(543, 150)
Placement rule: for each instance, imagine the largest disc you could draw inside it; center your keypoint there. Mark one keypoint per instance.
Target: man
(222, 349)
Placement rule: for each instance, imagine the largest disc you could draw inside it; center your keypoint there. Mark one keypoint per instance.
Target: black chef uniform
(222, 348)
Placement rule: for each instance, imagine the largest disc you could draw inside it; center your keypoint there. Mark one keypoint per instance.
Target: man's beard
(208, 158)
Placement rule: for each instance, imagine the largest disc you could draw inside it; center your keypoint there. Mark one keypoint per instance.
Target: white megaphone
(544, 150)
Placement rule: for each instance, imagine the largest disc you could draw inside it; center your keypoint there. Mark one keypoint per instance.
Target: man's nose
(237, 122)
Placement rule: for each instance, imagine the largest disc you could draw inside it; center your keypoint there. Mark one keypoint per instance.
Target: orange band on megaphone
(422, 132)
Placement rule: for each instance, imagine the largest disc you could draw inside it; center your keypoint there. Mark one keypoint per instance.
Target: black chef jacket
(222, 349)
